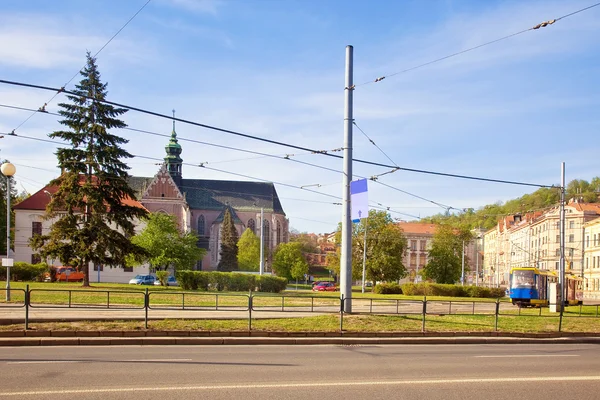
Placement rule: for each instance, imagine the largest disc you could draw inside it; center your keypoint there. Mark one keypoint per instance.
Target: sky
(512, 110)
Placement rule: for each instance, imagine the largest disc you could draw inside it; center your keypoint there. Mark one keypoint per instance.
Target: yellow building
(592, 260)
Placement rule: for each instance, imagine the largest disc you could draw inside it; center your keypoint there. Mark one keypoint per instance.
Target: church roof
(204, 194)
(221, 217)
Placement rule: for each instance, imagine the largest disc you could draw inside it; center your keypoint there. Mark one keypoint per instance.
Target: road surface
(533, 372)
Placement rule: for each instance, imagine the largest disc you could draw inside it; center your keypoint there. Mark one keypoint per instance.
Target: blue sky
(513, 110)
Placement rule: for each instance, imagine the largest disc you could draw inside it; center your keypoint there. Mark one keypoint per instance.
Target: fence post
(27, 307)
(424, 313)
(146, 305)
(250, 305)
(342, 313)
(496, 316)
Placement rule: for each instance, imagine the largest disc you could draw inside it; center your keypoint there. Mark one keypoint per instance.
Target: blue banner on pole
(359, 199)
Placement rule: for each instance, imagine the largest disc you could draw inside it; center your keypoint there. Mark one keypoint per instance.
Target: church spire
(173, 160)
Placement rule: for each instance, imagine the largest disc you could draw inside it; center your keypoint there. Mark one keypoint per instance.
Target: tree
(289, 262)
(385, 249)
(229, 239)
(444, 264)
(165, 245)
(248, 251)
(309, 242)
(93, 218)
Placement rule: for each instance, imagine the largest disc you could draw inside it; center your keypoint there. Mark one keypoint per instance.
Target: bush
(435, 289)
(387, 288)
(22, 271)
(229, 281)
(162, 277)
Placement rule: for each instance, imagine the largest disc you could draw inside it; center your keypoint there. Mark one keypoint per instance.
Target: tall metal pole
(262, 241)
(561, 278)
(462, 273)
(346, 256)
(365, 256)
(8, 237)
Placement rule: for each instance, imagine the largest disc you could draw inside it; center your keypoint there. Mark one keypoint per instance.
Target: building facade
(197, 204)
(591, 270)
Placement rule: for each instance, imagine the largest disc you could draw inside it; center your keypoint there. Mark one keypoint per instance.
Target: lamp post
(8, 170)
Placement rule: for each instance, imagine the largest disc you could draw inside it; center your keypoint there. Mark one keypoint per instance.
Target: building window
(36, 228)
(413, 245)
(557, 238)
(571, 252)
(571, 224)
(201, 226)
(571, 238)
(278, 232)
(128, 269)
(252, 225)
(266, 234)
(101, 267)
(558, 252)
(587, 241)
(587, 263)
(423, 245)
(36, 259)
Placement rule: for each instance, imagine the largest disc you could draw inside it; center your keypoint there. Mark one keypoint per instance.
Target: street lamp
(8, 170)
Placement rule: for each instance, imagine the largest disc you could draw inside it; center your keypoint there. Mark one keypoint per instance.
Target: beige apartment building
(533, 240)
(591, 270)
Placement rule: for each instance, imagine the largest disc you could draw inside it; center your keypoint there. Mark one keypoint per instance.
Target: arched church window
(252, 225)
(266, 234)
(201, 228)
(278, 232)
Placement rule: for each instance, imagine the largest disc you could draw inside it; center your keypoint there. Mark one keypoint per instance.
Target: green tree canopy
(248, 251)
(309, 242)
(92, 222)
(289, 261)
(385, 249)
(444, 263)
(229, 239)
(165, 245)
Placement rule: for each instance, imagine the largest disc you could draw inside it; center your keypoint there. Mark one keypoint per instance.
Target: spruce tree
(91, 209)
(229, 239)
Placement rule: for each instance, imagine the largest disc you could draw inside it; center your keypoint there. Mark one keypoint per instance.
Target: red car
(325, 287)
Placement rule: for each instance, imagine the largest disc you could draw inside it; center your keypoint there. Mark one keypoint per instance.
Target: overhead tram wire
(235, 133)
(538, 26)
(43, 108)
(374, 178)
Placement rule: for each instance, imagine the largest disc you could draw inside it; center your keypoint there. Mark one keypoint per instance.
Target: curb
(210, 341)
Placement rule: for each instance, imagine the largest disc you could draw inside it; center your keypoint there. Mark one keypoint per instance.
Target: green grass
(331, 323)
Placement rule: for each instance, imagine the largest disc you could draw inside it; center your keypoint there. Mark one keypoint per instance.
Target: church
(197, 204)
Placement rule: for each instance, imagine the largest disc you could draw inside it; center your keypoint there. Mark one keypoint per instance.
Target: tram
(530, 287)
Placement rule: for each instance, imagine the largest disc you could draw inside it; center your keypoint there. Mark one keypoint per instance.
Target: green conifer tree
(92, 212)
(229, 239)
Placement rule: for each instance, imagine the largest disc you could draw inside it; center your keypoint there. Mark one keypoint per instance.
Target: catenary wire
(538, 26)
(253, 137)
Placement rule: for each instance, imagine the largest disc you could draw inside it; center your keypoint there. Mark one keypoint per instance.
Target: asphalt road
(328, 372)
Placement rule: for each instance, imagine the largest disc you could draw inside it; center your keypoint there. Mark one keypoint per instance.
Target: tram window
(522, 279)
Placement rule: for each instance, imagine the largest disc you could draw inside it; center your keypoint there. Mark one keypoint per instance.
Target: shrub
(270, 284)
(22, 271)
(162, 277)
(387, 288)
(436, 289)
(187, 280)
(230, 281)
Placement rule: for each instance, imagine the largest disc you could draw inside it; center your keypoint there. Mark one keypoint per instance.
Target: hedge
(436, 289)
(229, 281)
(387, 288)
(22, 271)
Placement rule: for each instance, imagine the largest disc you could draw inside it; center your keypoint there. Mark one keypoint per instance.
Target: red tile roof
(417, 228)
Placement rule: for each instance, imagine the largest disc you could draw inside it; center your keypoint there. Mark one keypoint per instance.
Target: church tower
(173, 160)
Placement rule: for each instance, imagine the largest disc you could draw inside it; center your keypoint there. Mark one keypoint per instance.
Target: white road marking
(528, 355)
(158, 360)
(300, 385)
(43, 362)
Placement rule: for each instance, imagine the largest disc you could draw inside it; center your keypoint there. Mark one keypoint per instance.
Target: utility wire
(538, 26)
(270, 140)
(43, 108)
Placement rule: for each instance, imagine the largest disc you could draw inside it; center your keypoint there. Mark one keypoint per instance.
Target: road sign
(359, 199)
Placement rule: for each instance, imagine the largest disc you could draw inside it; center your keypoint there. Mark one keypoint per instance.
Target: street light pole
(261, 268)
(8, 170)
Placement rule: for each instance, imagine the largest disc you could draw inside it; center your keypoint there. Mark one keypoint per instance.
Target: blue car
(143, 280)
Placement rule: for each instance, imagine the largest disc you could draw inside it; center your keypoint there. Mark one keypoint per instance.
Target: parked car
(68, 274)
(171, 281)
(143, 280)
(325, 287)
